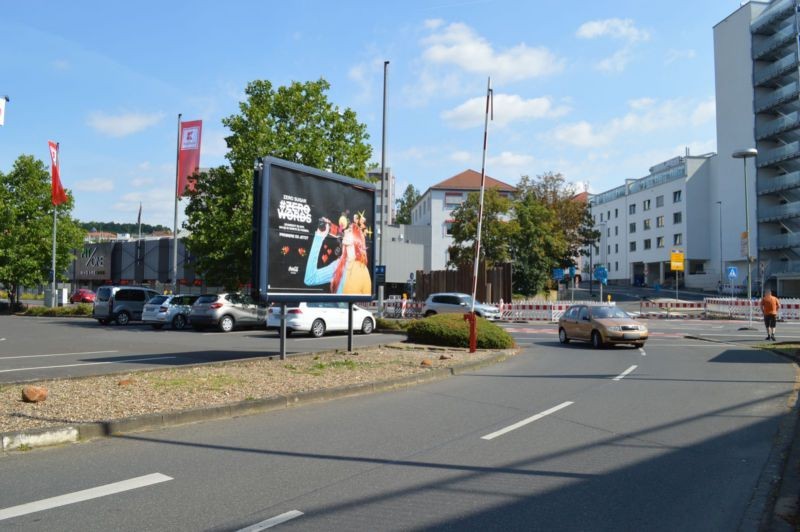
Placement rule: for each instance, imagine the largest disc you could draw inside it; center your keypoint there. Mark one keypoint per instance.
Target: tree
(296, 123)
(496, 230)
(538, 244)
(405, 204)
(26, 227)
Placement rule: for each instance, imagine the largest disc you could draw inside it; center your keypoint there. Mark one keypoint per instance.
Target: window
(676, 196)
(632, 208)
(452, 200)
(677, 217)
(601, 216)
(660, 242)
(646, 205)
(584, 313)
(659, 201)
(616, 248)
(677, 239)
(609, 249)
(616, 266)
(646, 243)
(646, 224)
(608, 215)
(448, 228)
(616, 230)
(632, 227)
(633, 246)
(608, 231)
(616, 213)
(660, 221)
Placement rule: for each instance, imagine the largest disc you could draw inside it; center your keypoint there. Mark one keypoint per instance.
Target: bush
(451, 330)
(81, 309)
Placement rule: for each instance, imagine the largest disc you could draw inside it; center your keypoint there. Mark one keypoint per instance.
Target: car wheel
(157, 326)
(597, 340)
(317, 328)
(123, 318)
(102, 322)
(430, 313)
(367, 327)
(562, 336)
(179, 322)
(226, 323)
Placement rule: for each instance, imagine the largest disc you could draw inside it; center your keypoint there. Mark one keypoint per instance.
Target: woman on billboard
(349, 273)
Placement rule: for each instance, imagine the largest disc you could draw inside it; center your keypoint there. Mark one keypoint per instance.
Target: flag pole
(175, 224)
(53, 299)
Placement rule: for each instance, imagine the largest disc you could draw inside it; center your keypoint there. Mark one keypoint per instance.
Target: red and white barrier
(739, 308)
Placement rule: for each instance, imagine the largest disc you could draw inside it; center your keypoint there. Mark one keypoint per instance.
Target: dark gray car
(226, 312)
(120, 303)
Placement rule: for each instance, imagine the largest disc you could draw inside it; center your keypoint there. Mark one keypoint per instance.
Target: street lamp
(721, 265)
(745, 154)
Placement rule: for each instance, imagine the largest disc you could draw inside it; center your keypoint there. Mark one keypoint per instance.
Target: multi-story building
(384, 204)
(431, 217)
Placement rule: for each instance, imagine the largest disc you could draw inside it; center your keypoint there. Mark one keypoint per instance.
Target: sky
(598, 91)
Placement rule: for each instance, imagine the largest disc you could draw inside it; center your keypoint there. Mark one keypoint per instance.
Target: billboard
(313, 234)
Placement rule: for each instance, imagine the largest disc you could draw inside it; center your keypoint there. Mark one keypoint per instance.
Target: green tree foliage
(405, 204)
(117, 227)
(26, 227)
(496, 230)
(296, 123)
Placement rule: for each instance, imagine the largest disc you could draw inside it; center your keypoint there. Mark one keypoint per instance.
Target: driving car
(456, 302)
(172, 310)
(120, 303)
(318, 318)
(226, 311)
(82, 295)
(600, 325)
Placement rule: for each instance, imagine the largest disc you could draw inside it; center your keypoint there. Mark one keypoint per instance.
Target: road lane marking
(524, 422)
(59, 355)
(86, 364)
(641, 350)
(622, 375)
(269, 523)
(84, 495)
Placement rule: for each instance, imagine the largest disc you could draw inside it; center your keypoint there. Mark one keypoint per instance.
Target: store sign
(94, 262)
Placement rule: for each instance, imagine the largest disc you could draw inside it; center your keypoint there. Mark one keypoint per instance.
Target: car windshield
(158, 300)
(609, 312)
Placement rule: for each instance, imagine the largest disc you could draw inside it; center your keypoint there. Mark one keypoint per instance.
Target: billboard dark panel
(314, 236)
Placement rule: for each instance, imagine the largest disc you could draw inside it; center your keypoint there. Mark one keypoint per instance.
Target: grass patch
(393, 325)
(24, 447)
(451, 330)
(214, 383)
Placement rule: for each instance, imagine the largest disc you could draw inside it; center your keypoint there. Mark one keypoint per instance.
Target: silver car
(456, 302)
(226, 312)
(168, 310)
(120, 303)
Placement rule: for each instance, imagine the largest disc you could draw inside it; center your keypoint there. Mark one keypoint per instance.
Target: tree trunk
(12, 298)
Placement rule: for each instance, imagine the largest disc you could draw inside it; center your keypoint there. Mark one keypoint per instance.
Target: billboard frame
(262, 175)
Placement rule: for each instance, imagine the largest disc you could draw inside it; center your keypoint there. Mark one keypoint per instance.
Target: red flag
(188, 154)
(57, 191)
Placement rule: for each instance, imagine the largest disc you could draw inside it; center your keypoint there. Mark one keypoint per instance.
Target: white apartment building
(644, 220)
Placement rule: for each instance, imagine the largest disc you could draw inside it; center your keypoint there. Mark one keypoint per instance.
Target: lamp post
(721, 264)
(745, 154)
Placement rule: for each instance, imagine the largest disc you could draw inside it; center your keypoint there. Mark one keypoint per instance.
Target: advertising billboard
(313, 234)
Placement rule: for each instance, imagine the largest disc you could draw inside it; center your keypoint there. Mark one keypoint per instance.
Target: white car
(319, 318)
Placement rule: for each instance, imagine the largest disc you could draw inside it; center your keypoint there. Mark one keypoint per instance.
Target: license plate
(630, 336)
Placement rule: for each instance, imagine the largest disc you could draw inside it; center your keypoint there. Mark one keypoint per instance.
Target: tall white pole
(175, 221)
(383, 198)
(480, 205)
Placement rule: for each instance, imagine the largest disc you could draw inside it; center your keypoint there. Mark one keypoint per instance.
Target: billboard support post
(350, 327)
(283, 331)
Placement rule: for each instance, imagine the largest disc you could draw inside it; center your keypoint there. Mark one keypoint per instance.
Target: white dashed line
(60, 355)
(87, 364)
(269, 523)
(524, 422)
(622, 375)
(84, 495)
(641, 350)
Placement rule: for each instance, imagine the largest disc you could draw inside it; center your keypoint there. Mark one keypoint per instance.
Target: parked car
(170, 310)
(455, 302)
(82, 295)
(121, 303)
(318, 318)
(226, 312)
(601, 326)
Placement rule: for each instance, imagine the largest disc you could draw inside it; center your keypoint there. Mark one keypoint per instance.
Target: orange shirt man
(770, 307)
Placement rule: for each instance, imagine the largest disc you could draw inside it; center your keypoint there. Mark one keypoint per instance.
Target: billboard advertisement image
(313, 234)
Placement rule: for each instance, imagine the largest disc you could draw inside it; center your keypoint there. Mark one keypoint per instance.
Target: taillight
(215, 305)
(163, 309)
(294, 311)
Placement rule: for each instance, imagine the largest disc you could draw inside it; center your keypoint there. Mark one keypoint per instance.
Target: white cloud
(612, 27)
(123, 124)
(461, 156)
(615, 62)
(674, 55)
(509, 159)
(138, 182)
(580, 134)
(459, 45)
(507, 108)
(704, 112)
(641, 103)
(94, 185)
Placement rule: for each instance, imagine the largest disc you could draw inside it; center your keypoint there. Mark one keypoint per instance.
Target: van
(120, 303)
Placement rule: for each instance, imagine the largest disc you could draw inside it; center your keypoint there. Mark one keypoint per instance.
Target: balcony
(784, 153)
(768, 185)
(783, 266)
(779, 212)
(780, 67)
(774, 42)
(777, 97)
(775, 13)
(789, 240)
(773, 127)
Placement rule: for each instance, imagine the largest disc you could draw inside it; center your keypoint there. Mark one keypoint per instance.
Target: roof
(471, 180)
(582, 197)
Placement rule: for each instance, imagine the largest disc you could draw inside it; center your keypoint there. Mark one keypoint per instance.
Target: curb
(43, 437)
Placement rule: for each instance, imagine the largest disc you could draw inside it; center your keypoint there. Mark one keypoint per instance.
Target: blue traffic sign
(558, 273)
(601, 274)
(572, 271)
(733, 273)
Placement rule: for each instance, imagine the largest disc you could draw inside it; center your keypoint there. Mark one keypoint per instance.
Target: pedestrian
(770, 306)
(403, 304)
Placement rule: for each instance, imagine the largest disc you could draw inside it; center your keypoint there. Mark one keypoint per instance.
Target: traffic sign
(572, 271)
(380, 274)
(558, 273)
(733, 273)
(676, 260)
(601, 274)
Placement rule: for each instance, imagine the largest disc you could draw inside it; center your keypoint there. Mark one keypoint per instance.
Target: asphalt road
(45, 348)
(671, 437)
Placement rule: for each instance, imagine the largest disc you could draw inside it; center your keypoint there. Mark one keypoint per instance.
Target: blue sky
(599, 91)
